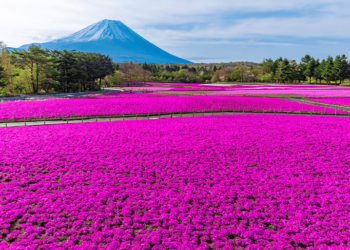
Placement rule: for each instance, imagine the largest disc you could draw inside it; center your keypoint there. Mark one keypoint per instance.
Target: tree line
(310, 70)
(38, 69)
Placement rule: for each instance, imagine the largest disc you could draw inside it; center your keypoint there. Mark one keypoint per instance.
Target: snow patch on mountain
(115, 39)
(105, 29)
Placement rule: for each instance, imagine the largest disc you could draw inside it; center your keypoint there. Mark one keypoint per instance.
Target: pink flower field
(217, 182)
(149, 88)
(150, 104)
(302, 92)
(333, 101)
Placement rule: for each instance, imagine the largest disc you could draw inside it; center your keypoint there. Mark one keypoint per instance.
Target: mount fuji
(115, 39)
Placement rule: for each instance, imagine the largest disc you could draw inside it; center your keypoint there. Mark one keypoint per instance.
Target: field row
(244, 90)
(343, 102)
(152, 105)
(250, 181)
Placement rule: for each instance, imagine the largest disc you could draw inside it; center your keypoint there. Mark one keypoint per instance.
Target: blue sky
(197, 30)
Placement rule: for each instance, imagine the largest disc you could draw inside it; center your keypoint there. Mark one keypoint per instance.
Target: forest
(43, 71)
(39, 70)
(310, 70)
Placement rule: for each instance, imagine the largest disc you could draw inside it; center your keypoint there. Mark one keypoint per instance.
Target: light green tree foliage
(214, 78)
(11, 72)
(117, 77)
(2, 69)
(181, 73)
(240, 71)
(235, 76)
(21, 83)
(38, 61)
(2, 78)
(268, 77)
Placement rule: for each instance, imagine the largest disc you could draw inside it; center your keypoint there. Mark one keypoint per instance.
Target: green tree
(37, 60)
(286, 71)
(240, 71)
(306, 59)
(2, 69)
(265, 66)
(345, 69)
(267, 77)
(327, 72)
(310, 68)
(318, 70)
(81, 71)
(337, 68)
(181, 73)
(275, 65)
(2, 78)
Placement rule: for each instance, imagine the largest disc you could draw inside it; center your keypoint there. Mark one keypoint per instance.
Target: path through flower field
(218, 178)
(251, 181)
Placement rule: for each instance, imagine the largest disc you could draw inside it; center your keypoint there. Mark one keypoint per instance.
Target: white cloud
(26, 21)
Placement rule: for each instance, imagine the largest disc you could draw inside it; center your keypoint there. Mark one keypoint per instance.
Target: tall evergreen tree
(318, 70)
(336, 70)
(344, 69)
(306, 59)
(275, 65)
(327, 72)
(310, 68)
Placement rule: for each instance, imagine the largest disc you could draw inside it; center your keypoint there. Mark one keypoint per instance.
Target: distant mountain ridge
(115, 39)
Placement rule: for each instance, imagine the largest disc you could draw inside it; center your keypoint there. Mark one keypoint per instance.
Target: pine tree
(327, 72)
(318, 70)
(306, 59)
(345, 69)
(336, 70)
(310, 68)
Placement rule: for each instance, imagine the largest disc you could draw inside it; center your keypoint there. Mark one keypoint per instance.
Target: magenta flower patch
(144, 104)
(222, 182)
(333, 101)
(311, 92)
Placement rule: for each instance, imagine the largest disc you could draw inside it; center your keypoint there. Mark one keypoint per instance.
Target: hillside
(115, 39)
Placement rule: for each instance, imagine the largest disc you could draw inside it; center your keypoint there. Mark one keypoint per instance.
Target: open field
(209, 175)
(203, 182)
(150, 104)
(245, 90)
(343, 102)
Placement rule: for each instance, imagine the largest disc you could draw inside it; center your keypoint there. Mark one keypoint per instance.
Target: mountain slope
(115, 39)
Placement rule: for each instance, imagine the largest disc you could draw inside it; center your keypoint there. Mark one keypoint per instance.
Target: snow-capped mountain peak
(113, 38)
(105, 29)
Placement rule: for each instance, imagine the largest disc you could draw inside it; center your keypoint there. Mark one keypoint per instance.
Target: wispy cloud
(178, 25)
(328, 42)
